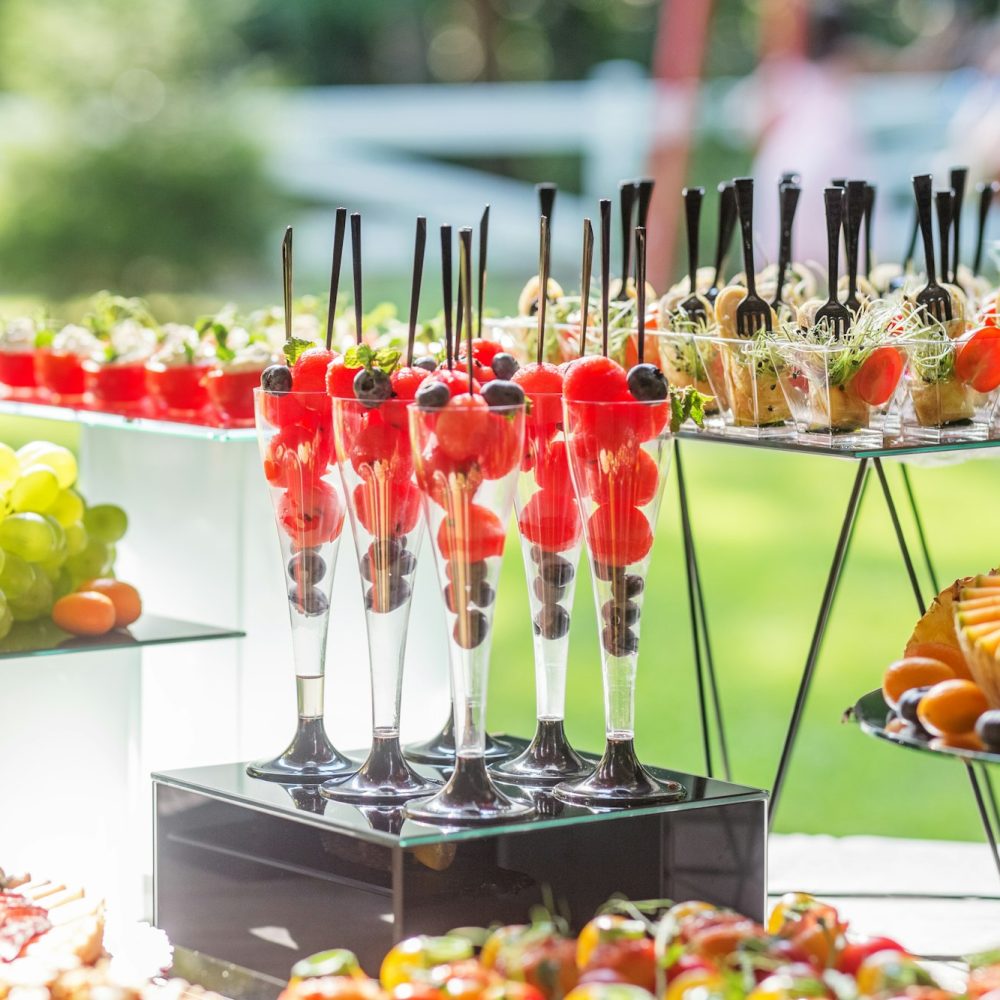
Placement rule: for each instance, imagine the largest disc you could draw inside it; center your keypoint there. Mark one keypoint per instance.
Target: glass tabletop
(870, 714)
(231, 783)
(43, 638)
(228, 980)
(146, 424)
(795, 446)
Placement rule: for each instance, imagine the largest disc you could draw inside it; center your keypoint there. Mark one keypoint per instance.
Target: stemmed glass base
(469, 799)
(619, 780)
(547, 760)
(385, 778)
(310, 758)
(440, 749)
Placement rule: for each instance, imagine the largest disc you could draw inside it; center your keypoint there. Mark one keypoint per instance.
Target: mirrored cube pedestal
(261, 874)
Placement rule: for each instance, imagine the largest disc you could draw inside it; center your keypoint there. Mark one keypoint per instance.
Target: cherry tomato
(504, 448)
(876, 379)
(476, 533)
(463, 427)
(854, 954)
(977, 358)
(387, 509)
(618, 536)
(550, 520)
(633, 961)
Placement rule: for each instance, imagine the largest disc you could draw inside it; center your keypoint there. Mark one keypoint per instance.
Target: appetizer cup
(619, 453)
(114, 385)
(744, 377)
(178, 390)
(687, 364)
(376, 467)
(231, 393)
(467, 461)
(17, 372)
(60, 374)
(951, 395)
(548, 522)
(839, 394)
(295, 435)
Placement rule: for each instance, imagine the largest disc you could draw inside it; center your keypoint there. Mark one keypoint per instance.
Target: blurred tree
(133, 173)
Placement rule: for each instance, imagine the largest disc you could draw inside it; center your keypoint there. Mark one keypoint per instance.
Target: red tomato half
(977, 358)
(853, 955)
(877, 378)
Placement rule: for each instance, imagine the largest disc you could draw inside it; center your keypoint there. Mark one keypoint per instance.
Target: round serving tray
(870, 714)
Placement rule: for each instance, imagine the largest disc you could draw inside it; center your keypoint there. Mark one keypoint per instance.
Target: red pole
(678, 55)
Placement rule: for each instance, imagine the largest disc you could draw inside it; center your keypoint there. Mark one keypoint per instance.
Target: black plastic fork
(985, 192)
(935, 301)
(944, 202)
(788, 200)
(693, 305)
(753, 312)
(833, 312)
(958, 178)
(727, 222)
(855, 211)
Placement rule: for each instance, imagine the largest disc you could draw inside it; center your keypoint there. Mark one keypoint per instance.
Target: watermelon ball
(474, 534)
(596, 379)
(340, 379)
(457, 380)
(463, 427)
(309, 371)
(631, 480)
(549, 521)
(407, 380)
(618, 536)
(543, 382)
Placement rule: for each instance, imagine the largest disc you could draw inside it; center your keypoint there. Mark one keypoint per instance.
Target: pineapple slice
(978, 630)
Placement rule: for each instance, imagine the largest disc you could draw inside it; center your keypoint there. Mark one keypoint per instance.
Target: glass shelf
(230, 783)
(870, 712)
(146, 424)
(228, 980)
(790, 444)
(43, 638)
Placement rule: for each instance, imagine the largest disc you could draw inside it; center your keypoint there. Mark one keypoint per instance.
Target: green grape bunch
(51, 541)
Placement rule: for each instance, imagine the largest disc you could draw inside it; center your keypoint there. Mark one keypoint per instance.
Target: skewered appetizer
(688, 951)
(834, 383)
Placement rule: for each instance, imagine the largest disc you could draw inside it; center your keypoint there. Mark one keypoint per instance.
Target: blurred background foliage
(139, 176)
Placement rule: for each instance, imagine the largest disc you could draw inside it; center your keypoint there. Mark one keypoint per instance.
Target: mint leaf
(188, 352)
(685, 404)
(360, 356)
(222, 350)
(387, 358)
(44, 338)
(294, 349)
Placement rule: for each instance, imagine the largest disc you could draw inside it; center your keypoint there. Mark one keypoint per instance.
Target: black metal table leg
(690, 573)
(917, 520)
(983, 815)
(829, 593)
(900, 537)
(991, 796)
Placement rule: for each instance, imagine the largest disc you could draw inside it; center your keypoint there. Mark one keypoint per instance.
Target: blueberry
(392, 597)
(504, 365)
(387, 549)
(395, 562)
(555, 570)
(626, 586)
(475, 573)
(620, 616)
(483, 595)
(372, 387)
(647, 382)
(427, 363)
(547, 593)
(276, 379)
(432, 395)
(613, 573)
(988, 729)
(619, 642)
(474, 631)
(907, 705)
(501, 393)
(308, 601)
(306, 567)
(552, 622)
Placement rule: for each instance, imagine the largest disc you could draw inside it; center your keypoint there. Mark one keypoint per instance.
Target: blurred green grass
(766, 525)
